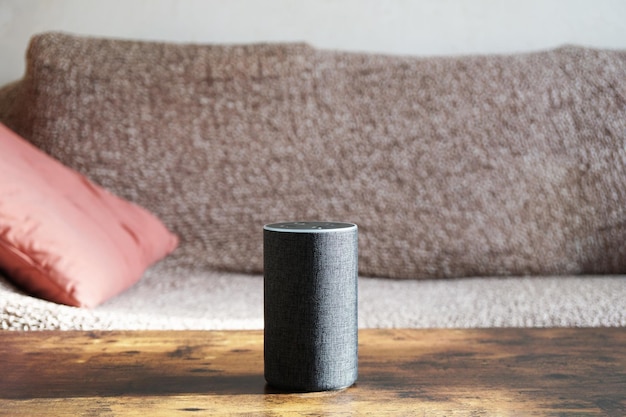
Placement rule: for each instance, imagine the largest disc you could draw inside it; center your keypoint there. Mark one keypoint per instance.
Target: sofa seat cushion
(65, 239)
(177, 299)
(450, 166)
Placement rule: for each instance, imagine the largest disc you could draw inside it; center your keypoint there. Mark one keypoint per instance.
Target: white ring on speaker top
(310, 227)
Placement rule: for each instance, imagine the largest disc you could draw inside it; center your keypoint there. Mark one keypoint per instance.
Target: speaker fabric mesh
(310, 291)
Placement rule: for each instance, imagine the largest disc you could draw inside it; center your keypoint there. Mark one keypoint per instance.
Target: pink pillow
(64, 239)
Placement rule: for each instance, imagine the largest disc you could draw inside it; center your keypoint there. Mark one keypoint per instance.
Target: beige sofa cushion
(481, 165)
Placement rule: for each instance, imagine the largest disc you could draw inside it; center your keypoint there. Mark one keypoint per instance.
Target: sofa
(489, 190)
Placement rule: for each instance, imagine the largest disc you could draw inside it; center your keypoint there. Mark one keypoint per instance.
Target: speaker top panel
(310, 227)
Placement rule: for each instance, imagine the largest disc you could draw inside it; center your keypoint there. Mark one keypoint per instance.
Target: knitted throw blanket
(451, 167)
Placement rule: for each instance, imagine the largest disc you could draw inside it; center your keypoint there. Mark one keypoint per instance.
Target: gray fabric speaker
(310, 308)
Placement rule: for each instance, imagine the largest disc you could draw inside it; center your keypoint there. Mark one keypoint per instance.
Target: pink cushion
(64, 239)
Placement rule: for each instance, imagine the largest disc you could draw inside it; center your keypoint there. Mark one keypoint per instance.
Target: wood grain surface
(499, 372)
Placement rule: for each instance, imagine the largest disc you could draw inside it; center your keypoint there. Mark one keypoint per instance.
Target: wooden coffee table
(560, 372)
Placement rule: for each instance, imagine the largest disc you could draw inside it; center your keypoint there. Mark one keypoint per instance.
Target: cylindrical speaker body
(310, 305)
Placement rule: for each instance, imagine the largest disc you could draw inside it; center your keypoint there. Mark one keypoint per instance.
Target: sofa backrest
(450, 166)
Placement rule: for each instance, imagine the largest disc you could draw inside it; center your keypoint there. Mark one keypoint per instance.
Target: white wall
(419, 27)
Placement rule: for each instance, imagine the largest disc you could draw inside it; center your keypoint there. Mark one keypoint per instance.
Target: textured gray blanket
(487, 166)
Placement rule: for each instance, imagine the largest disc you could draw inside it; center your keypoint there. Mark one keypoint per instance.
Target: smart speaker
(310, 305)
